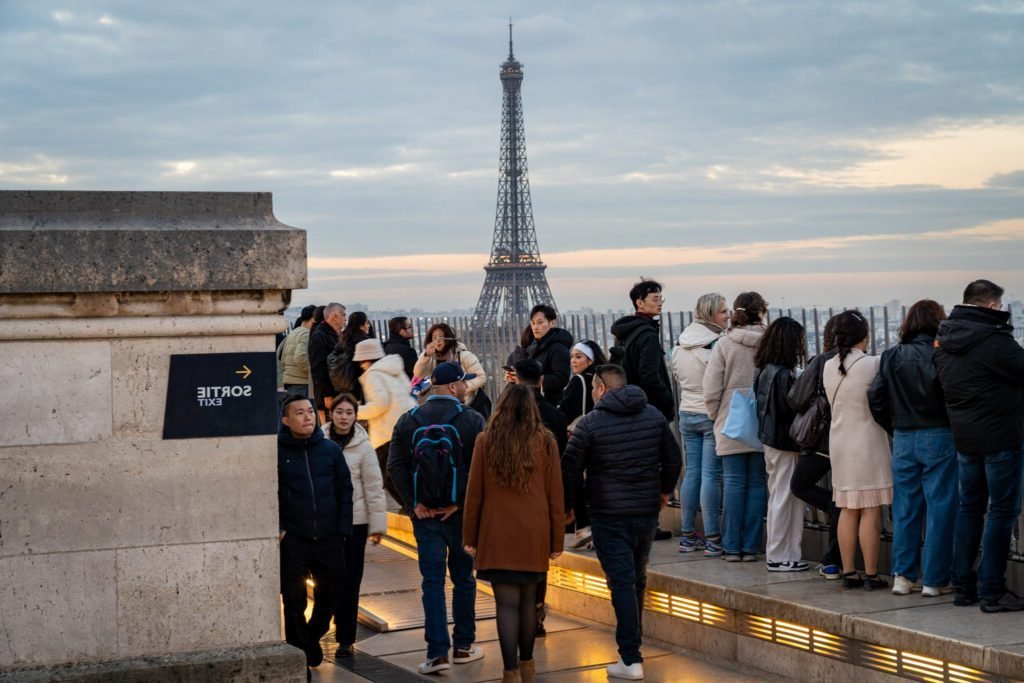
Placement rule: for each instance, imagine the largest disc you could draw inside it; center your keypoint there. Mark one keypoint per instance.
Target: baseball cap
(446, 373)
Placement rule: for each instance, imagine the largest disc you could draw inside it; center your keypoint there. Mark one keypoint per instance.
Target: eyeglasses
(655, 298)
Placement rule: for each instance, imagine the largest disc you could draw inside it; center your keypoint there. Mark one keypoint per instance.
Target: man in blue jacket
(632, 461)
(437, 525)
(314, 495)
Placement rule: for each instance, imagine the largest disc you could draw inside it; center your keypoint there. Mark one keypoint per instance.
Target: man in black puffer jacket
(632, 462)
(639, 338)
(551, 348)
(314, 496)
(981, 369)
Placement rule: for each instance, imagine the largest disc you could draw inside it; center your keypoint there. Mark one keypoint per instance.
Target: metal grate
(689, 609)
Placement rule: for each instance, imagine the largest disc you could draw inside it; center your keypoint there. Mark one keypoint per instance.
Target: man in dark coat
(438, 531)
(399, 344)
(550, 347)
(981, 369)
(314, 498)
(639, 336)
(632, 462)
(322, 341)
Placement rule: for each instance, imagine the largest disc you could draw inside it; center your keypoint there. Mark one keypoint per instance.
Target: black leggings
(810, 469)
(517, 621)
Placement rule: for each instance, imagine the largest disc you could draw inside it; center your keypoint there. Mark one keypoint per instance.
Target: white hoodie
(689, 361)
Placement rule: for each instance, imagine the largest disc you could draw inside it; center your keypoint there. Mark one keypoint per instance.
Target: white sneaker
(470, 654)
(903, 586)
(935, 591)
(633, 672)
(432, 666)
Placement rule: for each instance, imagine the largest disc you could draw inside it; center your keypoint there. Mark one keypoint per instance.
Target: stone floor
(575, 650)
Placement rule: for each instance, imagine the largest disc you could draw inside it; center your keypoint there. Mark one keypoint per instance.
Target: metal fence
(493, 346)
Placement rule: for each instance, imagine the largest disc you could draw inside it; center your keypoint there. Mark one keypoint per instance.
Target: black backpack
(617, 353)
(436, 460)
(342, 370)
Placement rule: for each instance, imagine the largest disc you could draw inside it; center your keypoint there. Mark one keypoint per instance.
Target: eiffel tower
(515, 280)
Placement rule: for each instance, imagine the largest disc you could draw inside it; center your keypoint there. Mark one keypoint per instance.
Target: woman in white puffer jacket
(703, 479)
(369, 517)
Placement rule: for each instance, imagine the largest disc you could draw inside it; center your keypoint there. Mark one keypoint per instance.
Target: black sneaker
(965, 599)
(874, 582)
(315, 655)
(343, 651)
(662, 535)
(1007, 602)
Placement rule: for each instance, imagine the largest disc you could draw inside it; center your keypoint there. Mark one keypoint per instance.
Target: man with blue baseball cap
(431, 450)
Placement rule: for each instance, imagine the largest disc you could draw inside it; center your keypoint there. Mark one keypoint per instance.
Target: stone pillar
(125, 556)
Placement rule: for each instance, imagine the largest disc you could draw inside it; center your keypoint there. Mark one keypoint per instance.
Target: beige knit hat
(368, 349)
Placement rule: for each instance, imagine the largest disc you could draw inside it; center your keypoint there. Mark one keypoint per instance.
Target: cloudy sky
(836, 153)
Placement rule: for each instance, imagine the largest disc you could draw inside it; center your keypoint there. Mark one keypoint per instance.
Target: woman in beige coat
(859, 448)
(442, 346)
(744, 481)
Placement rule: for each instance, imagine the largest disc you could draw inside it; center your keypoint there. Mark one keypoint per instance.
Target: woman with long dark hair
(783, 347)
(514, 520)
(861, 461)
(731, 369)
(702, 482)
(907, 400)
(443, 346)
(356, 330)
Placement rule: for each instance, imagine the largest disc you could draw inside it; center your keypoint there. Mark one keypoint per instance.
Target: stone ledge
(251, 663)
(54, 241)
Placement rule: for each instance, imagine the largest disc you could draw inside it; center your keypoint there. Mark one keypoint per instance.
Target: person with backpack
(782, 348)
(344, 369)
(702, 481)
(744, 489)
(861, 460)
(806, 395)
(638, 347)
(514, 519)
(431, 452)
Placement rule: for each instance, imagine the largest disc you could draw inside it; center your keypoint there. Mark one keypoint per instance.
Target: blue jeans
(924, 475)
(623, 546)
(745, 502)
(438, 542)
(703, 479)
(986, 481)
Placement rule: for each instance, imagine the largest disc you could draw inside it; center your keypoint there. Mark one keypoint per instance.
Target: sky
(821, 153)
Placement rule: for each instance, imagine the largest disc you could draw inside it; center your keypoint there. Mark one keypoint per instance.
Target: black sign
(221, 394)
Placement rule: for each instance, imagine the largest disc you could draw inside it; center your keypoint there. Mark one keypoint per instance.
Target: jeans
(989, 481)
(703, 479)
(439, 543)
(623, 546)
(810, 469)
(924, 475)
(745, 501)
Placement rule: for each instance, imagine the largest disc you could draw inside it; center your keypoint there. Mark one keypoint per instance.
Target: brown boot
(510, 676)
(528, 671)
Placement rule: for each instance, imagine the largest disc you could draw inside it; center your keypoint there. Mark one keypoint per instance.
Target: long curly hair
(512, 435)
(449, 335)
(783, 343)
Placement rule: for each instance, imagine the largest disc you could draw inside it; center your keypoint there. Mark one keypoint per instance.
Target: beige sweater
(730, 367)
(426, 363)
(859, 448)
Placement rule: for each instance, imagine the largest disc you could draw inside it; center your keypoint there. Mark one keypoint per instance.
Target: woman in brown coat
(514, 519)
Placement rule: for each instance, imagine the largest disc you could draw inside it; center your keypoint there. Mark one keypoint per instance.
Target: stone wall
(115, 543)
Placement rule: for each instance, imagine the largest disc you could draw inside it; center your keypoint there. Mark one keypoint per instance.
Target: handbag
(742, 422)
(809, 426)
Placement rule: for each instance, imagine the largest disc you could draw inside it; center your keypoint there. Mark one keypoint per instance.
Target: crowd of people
(582, 442)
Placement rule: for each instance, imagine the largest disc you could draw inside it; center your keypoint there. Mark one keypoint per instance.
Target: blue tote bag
(742, 422)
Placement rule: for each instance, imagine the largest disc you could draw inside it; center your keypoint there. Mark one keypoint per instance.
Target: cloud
(38, 170)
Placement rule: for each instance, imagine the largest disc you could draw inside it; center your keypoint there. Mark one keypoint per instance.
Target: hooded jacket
(368, 504)
(314, 487)
(644, 360)
(730, 367)
(628, 452)
(689, 361)
(386, 391)
(552, 352)
(906, 393)
(981, 370)
(400, 346)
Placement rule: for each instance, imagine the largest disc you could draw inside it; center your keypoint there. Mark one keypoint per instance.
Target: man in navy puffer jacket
(314, 494)
(632, 462)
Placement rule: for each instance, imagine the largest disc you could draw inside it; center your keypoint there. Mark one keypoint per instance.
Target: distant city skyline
(821, 153)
